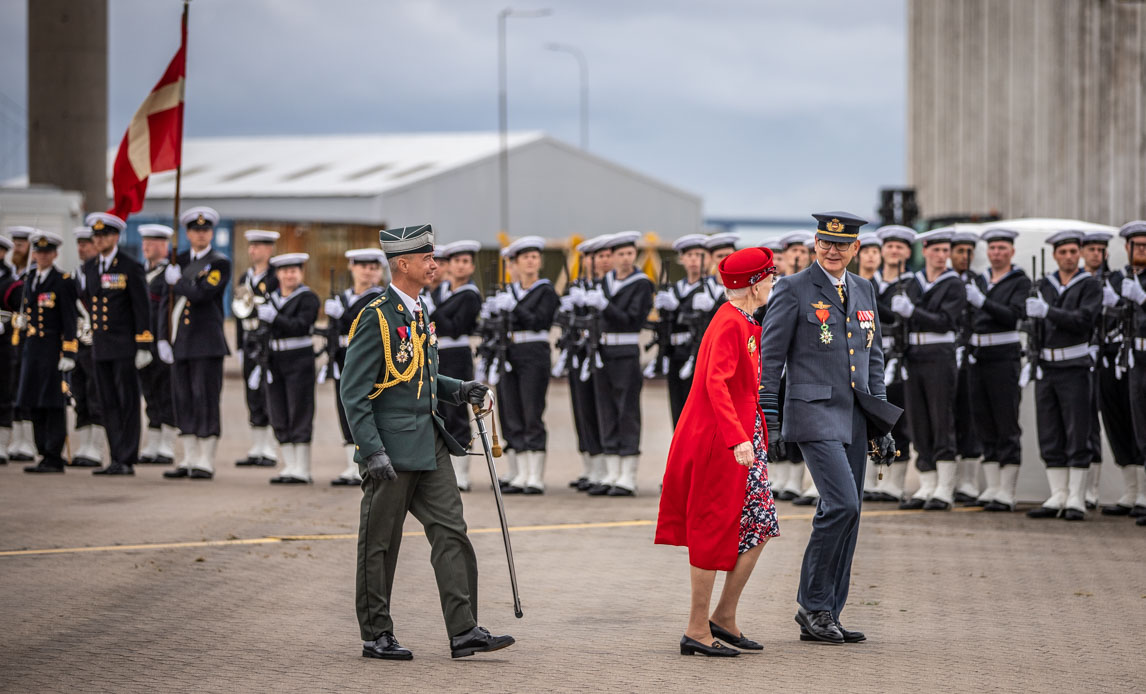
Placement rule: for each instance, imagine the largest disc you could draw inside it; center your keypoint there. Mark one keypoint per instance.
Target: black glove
(379, 467)
(473, 392)
(882, 450)
(776, 449)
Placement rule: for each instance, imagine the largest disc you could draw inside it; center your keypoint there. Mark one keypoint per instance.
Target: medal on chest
(867, 322)
(822, 314)
(433, 330)
(405, 347)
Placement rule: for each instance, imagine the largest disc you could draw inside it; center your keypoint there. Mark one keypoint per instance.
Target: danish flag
(154, 139)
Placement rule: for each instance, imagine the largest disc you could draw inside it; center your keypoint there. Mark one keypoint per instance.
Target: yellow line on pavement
(350, 536)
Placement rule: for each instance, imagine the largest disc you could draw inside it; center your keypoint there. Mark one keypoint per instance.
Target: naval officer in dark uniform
(822, 323)
(87, 440)
(391, 389)
(159, 446)
(121, 338)
(260, 279)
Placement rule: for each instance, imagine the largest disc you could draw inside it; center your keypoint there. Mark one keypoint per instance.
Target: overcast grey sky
(765, 108)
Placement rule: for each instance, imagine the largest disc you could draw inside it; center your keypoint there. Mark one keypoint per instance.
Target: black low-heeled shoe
(737, 641)
(716, 650)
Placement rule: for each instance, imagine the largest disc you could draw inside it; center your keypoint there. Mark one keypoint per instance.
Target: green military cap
(406, 240)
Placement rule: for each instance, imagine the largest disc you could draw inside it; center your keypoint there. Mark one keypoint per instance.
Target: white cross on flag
(154, 139)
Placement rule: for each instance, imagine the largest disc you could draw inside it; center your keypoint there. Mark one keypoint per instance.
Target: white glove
(1132, 290)
(267, 313)
(703, 302)
(595, 298)
(1109, 297)
(960, 351)
(975, 295)
(506, 302)
(167, 355)
(172, 274)
(20, 321)
(333, 308)
(902, 305)
(567, 303)
(665, 301)
(142, 358)
(577, 294)
(1025, 375)
(66, 364)
(1037, 307)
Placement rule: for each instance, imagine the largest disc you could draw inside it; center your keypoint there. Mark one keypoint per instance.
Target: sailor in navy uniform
(291, 313)
(454, 307)
(89, 437)
(11, 291)
(159, 443)
(260, 279)
(50, 320)
(121, 338)
(22, 447)
(1067, 305)
(191, 339)
(683, 302)
(366, 273)
(624, 300)
(997, 299)
(868, 261)
(968, 449)
(933, 306)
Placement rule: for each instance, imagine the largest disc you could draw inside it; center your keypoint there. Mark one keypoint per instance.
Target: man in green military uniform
(390, 390)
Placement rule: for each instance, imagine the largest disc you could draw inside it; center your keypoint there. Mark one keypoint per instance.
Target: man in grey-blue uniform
(823, 323)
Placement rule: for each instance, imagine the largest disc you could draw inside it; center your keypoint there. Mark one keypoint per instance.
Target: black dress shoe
(584, 486)
(819, 625)
(737, 641)
(1116, 510)
(805, 501)
(868, 496)
(883, 496)
(177, 473)
(716, 650)
(265, 462)
(116, 469)
(620, 491)
(3, 460)
(1140, 521)
(197, 474)
(936, 505)
(43, 467)
(145, 460)
(1073, 514)
(849, 636)
(1138, 511)
(477, 640)
(344, 482)
(911, 504)
(163, 460)
(248, 462)
(1091, 505)
(787, 495)
(511, 489)
(85, 462)
(533, 491)
(1044, 512)
(386, 647)
(287, 480)
(576, 484)
(998, 507)
(975, 503)
(20, 457)
(963, 498)
(599, 489)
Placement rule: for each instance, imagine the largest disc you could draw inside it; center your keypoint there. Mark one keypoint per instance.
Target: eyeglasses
(841, 246)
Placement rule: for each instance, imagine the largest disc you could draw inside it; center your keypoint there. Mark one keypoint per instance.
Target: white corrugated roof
(320, 165)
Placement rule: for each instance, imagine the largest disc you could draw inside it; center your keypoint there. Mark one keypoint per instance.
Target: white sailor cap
(689, 242)
(46, 241)
(289, 259)
(504, 253)
(964, 237)
(102, 222)
(998, 234)
(155, 231)
(941, 235)
(896, 232)
(810, 244)
(622, 239)
(795, 238)
(6, 243)
(526, 243)
(260, 236)
(82, 233)
(601, 243)
(1064, 237)
(774, 244)
(588, 245)
(1132, 229)
(365, 255)
(1102, 237)
(199, 216)
(459, 247)
(724, 239)
(440, 252)
(22, 232)
(869, 238)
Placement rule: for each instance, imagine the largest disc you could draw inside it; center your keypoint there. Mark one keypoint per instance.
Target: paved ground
(949, 601)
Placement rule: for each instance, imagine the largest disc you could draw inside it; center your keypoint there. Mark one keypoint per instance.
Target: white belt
(930, 338)
(617, 339)
(452, 342)
(679, 339)
(520, 336)
(1140, 344)
(289, 343)
(1066, 353)
(992, 339)
(888, 343)
(343, 340)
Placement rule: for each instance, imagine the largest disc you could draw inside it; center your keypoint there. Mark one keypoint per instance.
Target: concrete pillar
(67, 96)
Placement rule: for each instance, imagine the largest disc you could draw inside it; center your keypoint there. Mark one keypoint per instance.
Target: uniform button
(847, 320)
(853, 367)
(849, 334)
(853, 384)
(851, 351)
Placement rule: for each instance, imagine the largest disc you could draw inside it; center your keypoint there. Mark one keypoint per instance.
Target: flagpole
(178, 171)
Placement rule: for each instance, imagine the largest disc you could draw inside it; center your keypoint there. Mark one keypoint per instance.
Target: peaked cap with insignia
(838, 227)
(406, 240)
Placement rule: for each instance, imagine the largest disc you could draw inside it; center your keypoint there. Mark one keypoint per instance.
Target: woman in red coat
(716, 499)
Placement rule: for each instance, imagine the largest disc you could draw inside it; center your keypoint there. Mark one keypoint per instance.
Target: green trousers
(432, 497)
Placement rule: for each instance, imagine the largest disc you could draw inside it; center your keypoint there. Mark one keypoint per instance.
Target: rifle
(332, 337)
(895, 371)
(1034, 330)
(588, 323)
(1127, 325)
(564, 320)
(662, 332)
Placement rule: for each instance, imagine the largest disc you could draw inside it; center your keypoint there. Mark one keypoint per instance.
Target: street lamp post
(502, 104)
(583, 64)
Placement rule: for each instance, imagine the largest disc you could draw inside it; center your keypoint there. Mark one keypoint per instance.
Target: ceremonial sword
(492, 451)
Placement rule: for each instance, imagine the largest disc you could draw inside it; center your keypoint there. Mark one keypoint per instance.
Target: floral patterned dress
(758, 517)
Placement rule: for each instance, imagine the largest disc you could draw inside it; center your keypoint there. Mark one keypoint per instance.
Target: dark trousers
(930, 396)
(1136, 382)
(347, 438)
(290, 395)
(618, 392)
(995, 397)
(1062, 411)
(967, 443)
(432, 497)
(901, 432)
(837, 468)
(197, 384)
(9, 378)
(50, 428)
(584, 413)
(678, 388)
(118, 383)
(457, 362)
(155, 382)
(1114, 403)
(84, 390)
(1095, 430)
(523, 391)
(256, 399)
